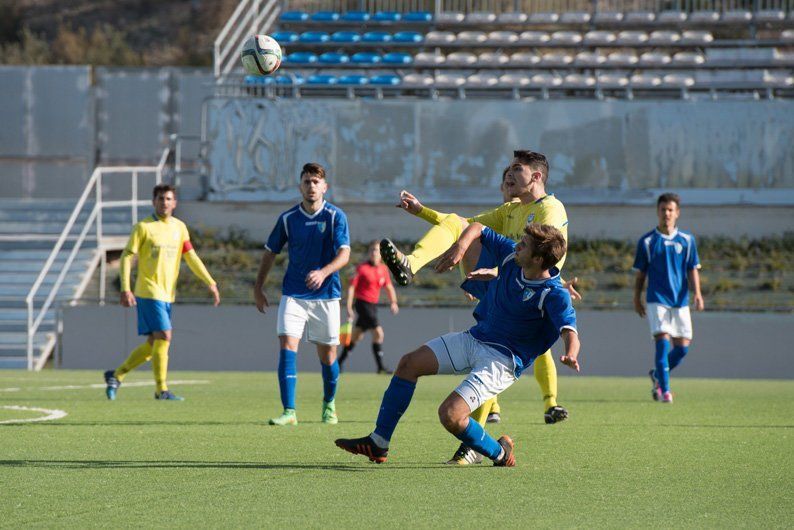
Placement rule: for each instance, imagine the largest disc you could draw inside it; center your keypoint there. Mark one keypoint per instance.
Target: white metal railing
(93, 187)
(249, 18)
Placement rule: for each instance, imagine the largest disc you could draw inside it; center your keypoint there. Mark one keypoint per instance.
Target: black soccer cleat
(396, 262)
(656, 390)
(112, 384)
(508, 459)
(363, 446)
(555, 414)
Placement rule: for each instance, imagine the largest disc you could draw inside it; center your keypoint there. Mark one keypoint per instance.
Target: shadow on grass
(197, 464)
(168, 423)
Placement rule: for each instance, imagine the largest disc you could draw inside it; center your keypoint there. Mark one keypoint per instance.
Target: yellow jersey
(160, 245)
(510, 218)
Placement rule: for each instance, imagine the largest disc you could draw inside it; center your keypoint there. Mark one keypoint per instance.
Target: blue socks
(677, 355)
(330, 377)
(662, 366)
(288, 377)
(395, 402)
(474, 436)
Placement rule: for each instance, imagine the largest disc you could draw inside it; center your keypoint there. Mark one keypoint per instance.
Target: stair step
(15, 267)
(21, 326)
(11, 340)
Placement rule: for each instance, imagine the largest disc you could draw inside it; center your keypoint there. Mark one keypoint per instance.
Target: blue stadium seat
(408, 36)
(355, 16)
(314, 37)
(387, 16)
(285, 37)
(293, 79)
(398, 58)
(321, 79)
(301, 58)
(345, 37)
(386, 79)
(376, 36)
(334, 58)
(418, 16)
(325, 16)
(353, 79)
(294, 16)
(366, 58)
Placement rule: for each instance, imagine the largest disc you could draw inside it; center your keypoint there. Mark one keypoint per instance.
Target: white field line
(10, 389)
(51, 414)
(102, 385)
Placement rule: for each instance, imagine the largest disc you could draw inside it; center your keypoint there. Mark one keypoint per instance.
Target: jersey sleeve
(497, 244)
(693, 260)
(278, 237)
(559, 309)
(493, 219)
(135, 241)
(640, 258)
(356, 275)
(552, 213)
(341, 231)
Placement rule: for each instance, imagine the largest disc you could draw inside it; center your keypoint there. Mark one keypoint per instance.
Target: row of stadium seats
(738, 16)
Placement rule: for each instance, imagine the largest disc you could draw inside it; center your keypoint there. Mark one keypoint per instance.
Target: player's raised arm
(572, 345)
(268, 258)
(455, 253)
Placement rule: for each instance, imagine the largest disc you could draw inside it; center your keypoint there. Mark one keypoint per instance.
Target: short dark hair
(669, 197)
(535, 161)
(163, 188)
(548, 244)
(313, 168)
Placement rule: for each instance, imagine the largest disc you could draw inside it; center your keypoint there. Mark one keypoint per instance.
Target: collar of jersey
(154, 216)
(665, 236)
(544, 197)
(555, 273)
(311, 215)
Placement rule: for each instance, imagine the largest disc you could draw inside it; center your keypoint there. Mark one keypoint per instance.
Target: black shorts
(367, 314)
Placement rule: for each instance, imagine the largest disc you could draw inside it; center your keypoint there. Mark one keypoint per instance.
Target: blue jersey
(313, 240)
(523, 317)
(667, 260)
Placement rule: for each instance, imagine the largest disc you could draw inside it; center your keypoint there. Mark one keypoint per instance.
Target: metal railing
(249, 18)
(94, 220)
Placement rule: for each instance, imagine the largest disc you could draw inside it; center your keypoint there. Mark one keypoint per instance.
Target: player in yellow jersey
(160, 241)
(523, 182)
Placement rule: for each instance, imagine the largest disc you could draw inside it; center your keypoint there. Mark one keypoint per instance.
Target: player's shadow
(142, 423)
(355, 467)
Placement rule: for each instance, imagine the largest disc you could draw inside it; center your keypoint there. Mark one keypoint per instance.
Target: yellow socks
(495, 408)
(435, 242)
(481, 414)
(139, 355)
(160, 363)
(546, 376)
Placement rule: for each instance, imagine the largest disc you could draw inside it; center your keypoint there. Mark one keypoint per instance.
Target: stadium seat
(429, 59)
(737, 16)
(599, 37)
(645, 80)
(787, 35)
(502, 37)
(703, 17)
(579, 80)
(461, 58)
(639, 18)
(322, 79)
(355, 16)
(533, 37)
(512, 18)
(398, 58)
(481, 18)
(607, 17)
(385, 79)
(408, 36)
(525, 59)
(449, 80)
(258, 80)
(678, 80)
(589, 58)
(387, 16)
(314, 37)
(663, 38)
(622, 58)
(440, 37)
(471, 37)
(290, 79)
(353, 79)
(285, 37)
(671, 18)
(545, 80)
(294, 16)
(575, 17)
(654, 59)
(418, 16)
(557, 58)
(492, 59)
(611, 80)
(301, 58)
(418, 79)
(514, 79)
(325, 16)
(334, 58)
(450, 17)
(778, 79)
(632, 38)
(376, 36)
(765, 16)
(366, 58)
(544, 18)
(697, 37)
(482, 80)
(688, 59)
(569, 38)
(345, 37)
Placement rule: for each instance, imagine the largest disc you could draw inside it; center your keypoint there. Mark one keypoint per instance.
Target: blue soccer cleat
(166, 395)
(112, 383)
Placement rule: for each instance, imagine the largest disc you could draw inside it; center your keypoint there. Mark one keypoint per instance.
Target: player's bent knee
(452, 418)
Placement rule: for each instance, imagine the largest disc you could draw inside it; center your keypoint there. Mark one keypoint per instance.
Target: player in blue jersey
(318, 241)
(668, 258)
(528, 310)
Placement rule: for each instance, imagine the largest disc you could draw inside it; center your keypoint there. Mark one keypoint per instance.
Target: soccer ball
(261, 55)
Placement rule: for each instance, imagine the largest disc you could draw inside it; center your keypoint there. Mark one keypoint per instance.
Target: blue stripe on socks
(287, 377)
(677, 355)
(330, 377)
(474, 436)
(662, 366)
(395, 402)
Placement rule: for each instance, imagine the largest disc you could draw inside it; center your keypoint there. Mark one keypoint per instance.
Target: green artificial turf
(721, 456)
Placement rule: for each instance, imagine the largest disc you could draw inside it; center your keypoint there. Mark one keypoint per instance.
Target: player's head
(506, 196)
(542, 246)
(373, 252)
(527, 170)
(668, 208)
(313, 183)
(164, 199)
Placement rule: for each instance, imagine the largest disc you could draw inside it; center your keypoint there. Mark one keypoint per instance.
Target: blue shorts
(153, 315)
(477, 288)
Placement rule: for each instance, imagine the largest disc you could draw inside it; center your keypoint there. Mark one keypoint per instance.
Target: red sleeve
(354, 281)
(186, 247)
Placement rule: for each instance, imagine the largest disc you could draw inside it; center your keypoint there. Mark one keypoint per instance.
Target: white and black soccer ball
(261, 55)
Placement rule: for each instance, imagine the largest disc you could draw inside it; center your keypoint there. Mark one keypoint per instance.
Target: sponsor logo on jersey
(530, 218)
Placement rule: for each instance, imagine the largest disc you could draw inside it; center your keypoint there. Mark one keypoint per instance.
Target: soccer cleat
(508, 459)
(167, 395)
(288, 417)
(396, 262)
(386, 371)
(555, 414)
(465, 456)
(656, 391)
(667, 397)
(329, 412)
(112, 383)
(493, 417)
(363, 446)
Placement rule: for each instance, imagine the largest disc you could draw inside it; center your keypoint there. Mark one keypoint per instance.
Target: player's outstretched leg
(397, 262)
(112, 383)
(364, 446)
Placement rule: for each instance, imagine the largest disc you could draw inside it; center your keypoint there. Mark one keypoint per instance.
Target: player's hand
(639, 308)
(315, 279)
(216, 296)
(409, 203)
(482, 275)
(571, 286)
(128, 299)
(395, 308)
(351, 315)
(470, 297)
(261, 300)
(450, 258)
(699, 304)
(571, 362)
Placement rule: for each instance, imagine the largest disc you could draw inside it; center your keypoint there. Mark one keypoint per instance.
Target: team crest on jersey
(528, 294)
(321, 226)
(679, 248)
(530, 218)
